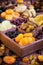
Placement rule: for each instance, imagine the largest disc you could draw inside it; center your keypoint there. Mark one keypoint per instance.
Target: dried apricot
(25, 59)
(9, 11)
(8, 17)
(31, 39)
(28, 35)
(23, 41)
(15, 14)
(19, 1)
(3, 14)
(19, 37)
(40, 58)
(9, 59)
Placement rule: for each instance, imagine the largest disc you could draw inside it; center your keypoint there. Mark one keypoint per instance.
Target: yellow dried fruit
(19, 37)
(40, 58)
(31, 39)
(23, 41)
(28, 30)
(19, 1)
(28, 35)
(31, 27)
(39, 17)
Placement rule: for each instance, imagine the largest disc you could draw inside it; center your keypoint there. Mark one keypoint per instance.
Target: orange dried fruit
(40, 58)
(8, 17)
(19, 1)
(15, 14)
(19, 37)
(25, 59)
(28, 35)
(31, 39)
(23, 41)
(3, 14)
(9, 59)
(9, 11)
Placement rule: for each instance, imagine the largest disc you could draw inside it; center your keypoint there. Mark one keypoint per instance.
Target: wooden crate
(21, 51)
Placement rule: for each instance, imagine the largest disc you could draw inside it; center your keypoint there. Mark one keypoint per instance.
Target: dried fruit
(9, 59)
(31, 39)
(9, 11)
(25, 59)
(39, 18)
(3, 14)
(28, 30)
(28, 35)
(23, 41)
(19, 37)
(8, 17)
(20, 8)
(33, 62)
(33, 56)
(15, 14)
(40, 58)
(19, 1)
(12, 34)
(19, 20)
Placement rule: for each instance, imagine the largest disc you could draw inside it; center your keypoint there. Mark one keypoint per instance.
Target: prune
(19, 20)
(12, 34)
(38, 32)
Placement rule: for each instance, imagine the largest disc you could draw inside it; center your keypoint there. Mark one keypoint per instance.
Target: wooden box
(20, 51)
